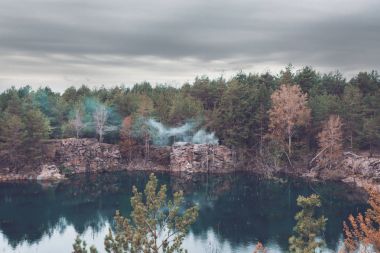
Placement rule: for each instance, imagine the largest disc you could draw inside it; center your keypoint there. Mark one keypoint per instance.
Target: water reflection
(236, 210)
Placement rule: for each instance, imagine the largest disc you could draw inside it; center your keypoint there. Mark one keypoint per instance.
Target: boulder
(49, 173)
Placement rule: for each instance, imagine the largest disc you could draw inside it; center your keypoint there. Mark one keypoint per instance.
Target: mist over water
(189, 132)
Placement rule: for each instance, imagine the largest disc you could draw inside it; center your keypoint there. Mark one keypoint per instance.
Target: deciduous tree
(77, 122)
(330, 141)
(100, 117)
(127, 142)
(289, 110)
(364, 230)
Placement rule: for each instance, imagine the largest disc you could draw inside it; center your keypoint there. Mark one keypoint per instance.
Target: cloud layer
(69, 42)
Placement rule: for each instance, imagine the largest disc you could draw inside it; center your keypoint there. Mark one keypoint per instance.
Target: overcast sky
(110, 42)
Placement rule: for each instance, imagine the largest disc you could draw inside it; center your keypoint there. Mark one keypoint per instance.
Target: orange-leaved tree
(363, 231)
(330, 141)
(127, 142)
(289, 110)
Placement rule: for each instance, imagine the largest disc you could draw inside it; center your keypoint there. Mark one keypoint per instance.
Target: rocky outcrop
(84, 155)
(365, 167)
(210, 158)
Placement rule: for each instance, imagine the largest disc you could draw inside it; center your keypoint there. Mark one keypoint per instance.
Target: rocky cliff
(88, 155)
(83, 155)
(210, 158)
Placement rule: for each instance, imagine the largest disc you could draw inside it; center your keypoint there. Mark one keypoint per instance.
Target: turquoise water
(236, 211)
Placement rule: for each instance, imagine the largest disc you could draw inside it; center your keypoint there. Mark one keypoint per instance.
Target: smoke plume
(188, 132)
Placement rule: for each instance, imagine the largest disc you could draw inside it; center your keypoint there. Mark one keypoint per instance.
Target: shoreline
(77, 156)
(357, 183)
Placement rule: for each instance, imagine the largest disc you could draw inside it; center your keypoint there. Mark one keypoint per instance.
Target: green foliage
(12, 138)
(156, 224)
(21, 135)
(53, 107)
(37, 128)
(308, 230)
(352, 111)
(236, 109)
(307, 78)
(80, 246)
(184, 108)
(241, 119)
(209, 92)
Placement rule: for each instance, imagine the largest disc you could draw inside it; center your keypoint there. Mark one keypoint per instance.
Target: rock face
(84, 155)
(71, 156)
(50, 173)
(366, 167)
(186, 157)
(88, 155)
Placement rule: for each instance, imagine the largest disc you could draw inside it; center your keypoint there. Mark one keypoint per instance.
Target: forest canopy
(240, 111)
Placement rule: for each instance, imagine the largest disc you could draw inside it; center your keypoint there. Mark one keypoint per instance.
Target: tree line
(259, 112)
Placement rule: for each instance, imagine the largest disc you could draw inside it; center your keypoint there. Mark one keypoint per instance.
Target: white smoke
(163, 135)
(202, 136)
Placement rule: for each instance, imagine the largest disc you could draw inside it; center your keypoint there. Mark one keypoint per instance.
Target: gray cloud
(70, 42)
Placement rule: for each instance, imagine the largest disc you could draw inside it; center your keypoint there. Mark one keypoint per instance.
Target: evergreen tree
(155, 225)
(234, 120)
(352, 111)
(308, 230)
(12, 139)
(307, 79)
(184, 108)
(37, 129)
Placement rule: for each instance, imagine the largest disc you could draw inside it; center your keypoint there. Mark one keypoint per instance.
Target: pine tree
(352, 112)
(155, 225)
(308, 229)
(80, 246)
(12, 138)
(37, 129)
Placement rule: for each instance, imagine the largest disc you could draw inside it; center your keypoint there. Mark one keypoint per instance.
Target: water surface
(236, 210)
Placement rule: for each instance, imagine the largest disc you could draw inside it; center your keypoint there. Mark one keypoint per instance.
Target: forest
(254, 112)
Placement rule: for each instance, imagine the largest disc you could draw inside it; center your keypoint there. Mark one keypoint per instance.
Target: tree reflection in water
(239, 209)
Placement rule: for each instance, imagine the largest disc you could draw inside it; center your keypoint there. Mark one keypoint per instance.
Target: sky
(62, 43)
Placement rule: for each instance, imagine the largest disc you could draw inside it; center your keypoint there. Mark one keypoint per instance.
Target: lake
(236, 210)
